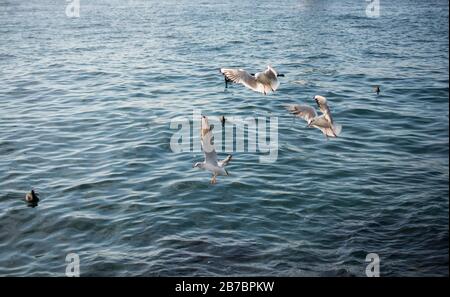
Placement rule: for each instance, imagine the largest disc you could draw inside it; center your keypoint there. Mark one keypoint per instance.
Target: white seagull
(263, 82)
(323, 122)
(211, 163)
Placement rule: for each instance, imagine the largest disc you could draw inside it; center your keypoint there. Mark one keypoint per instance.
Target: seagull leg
(213, 179)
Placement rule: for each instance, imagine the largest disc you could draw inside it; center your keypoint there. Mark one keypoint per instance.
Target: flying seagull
(211, 163)
(323, 122)
(263, 82)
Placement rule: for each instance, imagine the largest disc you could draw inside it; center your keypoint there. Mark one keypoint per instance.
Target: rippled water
(85, 110)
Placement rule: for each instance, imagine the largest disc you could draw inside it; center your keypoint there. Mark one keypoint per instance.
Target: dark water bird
(376, 89)
(211, 163)
(324, 122)
(222, 120)
(263, 82)
(32, 198)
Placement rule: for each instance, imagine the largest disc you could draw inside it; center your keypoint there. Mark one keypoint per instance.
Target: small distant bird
(211, 163)
(32, 197)
(324, 122)
(222, 120)
(263, 82)
(376, 89)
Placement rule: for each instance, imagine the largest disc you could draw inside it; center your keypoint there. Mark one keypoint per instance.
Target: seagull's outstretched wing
(210, 157)
(304, 111)
(240, 76)
(205, 128)
(206, 139)
(225, 161)
(323, 106)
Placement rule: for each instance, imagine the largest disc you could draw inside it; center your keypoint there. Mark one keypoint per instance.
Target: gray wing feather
(210, 156)
(304, 111)
(323, 106)
(225, 161)
(206, 140)
(240, 76)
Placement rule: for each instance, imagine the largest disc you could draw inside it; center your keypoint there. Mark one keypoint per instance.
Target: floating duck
(32, 198)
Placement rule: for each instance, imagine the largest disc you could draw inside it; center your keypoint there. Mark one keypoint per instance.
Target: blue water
(85, 111)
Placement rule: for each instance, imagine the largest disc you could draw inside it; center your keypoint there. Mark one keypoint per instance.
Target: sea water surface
(85, 111)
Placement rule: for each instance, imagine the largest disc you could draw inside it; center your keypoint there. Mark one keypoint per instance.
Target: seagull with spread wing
(324, 122)
(263, 82)
(211, 163)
